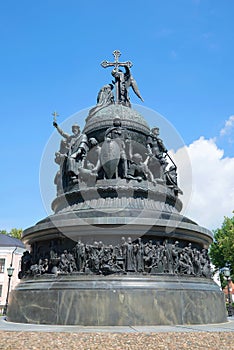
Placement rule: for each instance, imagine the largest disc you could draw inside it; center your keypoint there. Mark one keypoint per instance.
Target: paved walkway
(22, 327)
(46, 337)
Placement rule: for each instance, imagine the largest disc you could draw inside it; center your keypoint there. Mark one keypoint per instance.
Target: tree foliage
(222, 249)
(14, 232)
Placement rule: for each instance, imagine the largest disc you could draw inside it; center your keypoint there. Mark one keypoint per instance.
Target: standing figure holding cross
(123, 80)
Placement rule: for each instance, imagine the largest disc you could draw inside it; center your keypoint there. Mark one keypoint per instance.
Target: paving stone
(116, 341)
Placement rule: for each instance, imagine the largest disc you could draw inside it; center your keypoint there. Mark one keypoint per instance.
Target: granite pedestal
(117, 301)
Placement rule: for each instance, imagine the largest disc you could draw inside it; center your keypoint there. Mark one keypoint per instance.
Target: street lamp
(226, 273)
(10, 271)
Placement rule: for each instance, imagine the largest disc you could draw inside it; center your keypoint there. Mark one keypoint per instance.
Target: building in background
(11, 250)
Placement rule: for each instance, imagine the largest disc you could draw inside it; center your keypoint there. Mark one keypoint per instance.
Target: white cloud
(212, 181)
(229, 124)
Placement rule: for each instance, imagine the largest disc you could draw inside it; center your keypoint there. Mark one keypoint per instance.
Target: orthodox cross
(116, 64)
(55, 114)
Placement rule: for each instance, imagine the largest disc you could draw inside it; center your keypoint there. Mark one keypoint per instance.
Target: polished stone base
(117, 301)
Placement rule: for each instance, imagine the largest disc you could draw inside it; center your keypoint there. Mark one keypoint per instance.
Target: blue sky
(182, 54)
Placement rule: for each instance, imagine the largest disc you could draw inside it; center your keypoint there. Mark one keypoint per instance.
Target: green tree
(14, 232)
(222, 249)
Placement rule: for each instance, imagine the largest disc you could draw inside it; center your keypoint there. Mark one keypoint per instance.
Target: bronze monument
(116, 251)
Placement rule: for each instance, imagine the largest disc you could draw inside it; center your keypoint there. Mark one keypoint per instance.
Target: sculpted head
(155, 131)
(93, 141)
(137, 158)
(75, 129)
(117, 122)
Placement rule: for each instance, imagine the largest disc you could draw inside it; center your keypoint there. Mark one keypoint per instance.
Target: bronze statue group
(84, 161)
(128, 257)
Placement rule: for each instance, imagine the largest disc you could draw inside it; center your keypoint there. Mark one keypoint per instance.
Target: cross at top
(116, 63)
(55, 114)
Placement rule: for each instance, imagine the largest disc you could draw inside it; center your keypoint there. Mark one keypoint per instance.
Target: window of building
(2, 265)
(0, 290)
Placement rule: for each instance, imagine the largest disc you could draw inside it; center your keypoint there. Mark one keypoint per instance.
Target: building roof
(7, 241)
